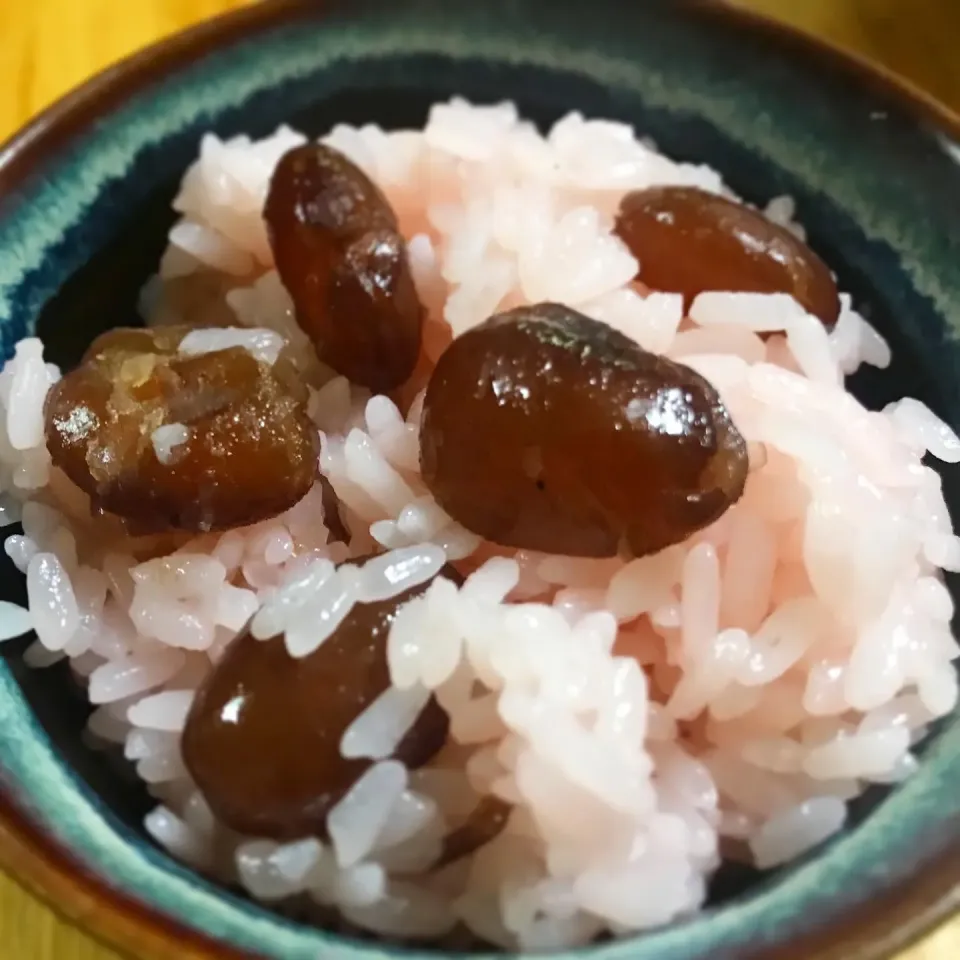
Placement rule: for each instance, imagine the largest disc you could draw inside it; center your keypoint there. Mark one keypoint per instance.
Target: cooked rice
(741, 686)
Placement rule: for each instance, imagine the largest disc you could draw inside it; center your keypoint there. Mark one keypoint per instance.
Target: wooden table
(48, 46)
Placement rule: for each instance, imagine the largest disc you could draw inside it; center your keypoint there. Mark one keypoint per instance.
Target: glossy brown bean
(689, 241)
(546, 430)
(341, 257)
(262, 740)
(251, 451)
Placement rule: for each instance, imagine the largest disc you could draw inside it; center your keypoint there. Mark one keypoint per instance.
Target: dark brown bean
(483, 824)
(262, 740)
(344, 262)
(689, 241)
(546, 430)
(251, 451)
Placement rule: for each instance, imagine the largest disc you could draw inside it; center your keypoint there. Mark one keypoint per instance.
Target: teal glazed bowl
(84, 207)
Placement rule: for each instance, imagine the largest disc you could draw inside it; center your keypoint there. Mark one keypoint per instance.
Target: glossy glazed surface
(690, 242)
(244, 448)
(546, 430)
(339, 253)
(262, 740)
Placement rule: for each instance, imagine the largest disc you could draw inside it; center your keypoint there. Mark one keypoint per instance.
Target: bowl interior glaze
(84, 207)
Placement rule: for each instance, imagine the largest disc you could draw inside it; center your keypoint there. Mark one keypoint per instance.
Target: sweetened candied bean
(545, 430)
(689, 241)
(262, 740)
(344, 262)
(238, 445)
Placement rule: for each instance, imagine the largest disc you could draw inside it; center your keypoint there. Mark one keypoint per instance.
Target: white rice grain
(361, 886)
(759, 312)
(141, 744)
(166, 439)
(378, 730)
(263, 345)
(128, 676)
(700, 599)
(921, 426)
(643, 585)
(357, 819)
(422, 520)
(15, 621)
(864, 755)
(53, 606)
(273, 872)
(324, 611)
(162, 711)
(208, 248)
(290, 598)
(407, 912)
(797, 830)
(368, 469)
(785, 636)
(20, 550)
(172, 833)
(28, 388)
(396, 572)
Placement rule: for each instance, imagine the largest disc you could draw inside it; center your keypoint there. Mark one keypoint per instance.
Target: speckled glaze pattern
(878, 186)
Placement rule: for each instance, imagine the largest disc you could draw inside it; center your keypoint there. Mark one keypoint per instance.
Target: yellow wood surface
(49, 46)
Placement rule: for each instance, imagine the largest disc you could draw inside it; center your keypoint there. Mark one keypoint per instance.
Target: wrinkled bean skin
(340, 255)
(689, 241)
(546, 430)
(262, 740)
(252, 450)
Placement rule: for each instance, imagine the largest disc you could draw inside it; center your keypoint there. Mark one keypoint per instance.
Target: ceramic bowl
(84, 205)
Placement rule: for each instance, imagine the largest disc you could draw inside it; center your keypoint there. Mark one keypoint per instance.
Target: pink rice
(738, 689)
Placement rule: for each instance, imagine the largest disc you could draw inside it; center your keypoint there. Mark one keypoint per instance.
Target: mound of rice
(732, 692)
